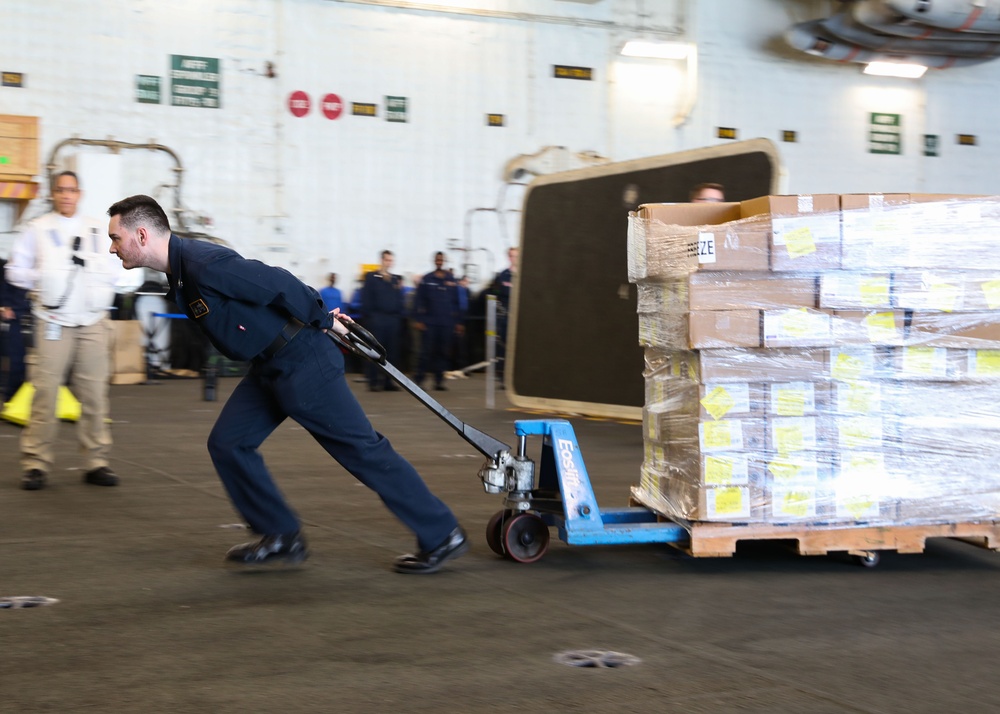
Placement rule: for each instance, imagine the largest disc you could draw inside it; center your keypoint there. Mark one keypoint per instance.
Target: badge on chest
(198, 308)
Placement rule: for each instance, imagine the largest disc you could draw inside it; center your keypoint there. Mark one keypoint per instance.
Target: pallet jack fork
(557, 494)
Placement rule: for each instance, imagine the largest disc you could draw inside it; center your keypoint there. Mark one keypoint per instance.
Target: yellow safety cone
(18, 409)
(67, 406)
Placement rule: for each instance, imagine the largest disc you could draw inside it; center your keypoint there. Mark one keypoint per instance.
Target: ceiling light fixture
(656, 50)
(896, 69)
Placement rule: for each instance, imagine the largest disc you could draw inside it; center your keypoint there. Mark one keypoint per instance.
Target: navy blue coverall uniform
(382, 315)
(12, 343)
(264, 314)
(436, 307)
(502, 283)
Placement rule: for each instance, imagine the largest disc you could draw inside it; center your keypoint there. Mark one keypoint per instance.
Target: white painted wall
(317, 195)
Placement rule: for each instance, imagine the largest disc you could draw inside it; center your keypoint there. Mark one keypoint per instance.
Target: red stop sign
(298, 103)
(332, 106)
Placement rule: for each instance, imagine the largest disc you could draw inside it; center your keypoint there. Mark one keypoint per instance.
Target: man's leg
(91, 372)
(317, 396)
(54, 348)
(250, 415)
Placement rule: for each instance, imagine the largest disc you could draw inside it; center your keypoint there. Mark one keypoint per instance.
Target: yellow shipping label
(728, 502)
(791, 402)
(857, 507)
(718, 470)
(847, 367)
(801, 323)
(943, 296)
(859, 398)
(797, 504)
(718, 402)
(784, 469)
(991, 290)
(860, 433)
(726, 470)
(789, 438)
(723, 434)
(862, 465)
(925, 361)
(882, 327)
(986, 363)
(800, 242)
(874, 291)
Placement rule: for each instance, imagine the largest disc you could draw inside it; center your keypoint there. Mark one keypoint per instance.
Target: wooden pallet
(720, 539)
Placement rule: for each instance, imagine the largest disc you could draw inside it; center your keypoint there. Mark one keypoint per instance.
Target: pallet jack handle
(361, 342)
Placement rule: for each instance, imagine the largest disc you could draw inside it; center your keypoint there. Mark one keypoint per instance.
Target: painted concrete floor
(150, 620)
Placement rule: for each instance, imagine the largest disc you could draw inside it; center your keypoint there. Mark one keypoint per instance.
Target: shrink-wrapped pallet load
(821, 360)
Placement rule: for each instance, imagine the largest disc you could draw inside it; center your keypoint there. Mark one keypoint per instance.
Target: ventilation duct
(935, 33)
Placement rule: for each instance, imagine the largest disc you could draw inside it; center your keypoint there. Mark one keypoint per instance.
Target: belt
(287, 334)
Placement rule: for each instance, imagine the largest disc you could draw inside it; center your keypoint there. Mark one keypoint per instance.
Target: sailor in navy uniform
(256, 312)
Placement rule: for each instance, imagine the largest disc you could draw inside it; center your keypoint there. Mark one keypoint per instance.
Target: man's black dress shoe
(101, 476)
(430, 561)
(33, 480)
(286, 549)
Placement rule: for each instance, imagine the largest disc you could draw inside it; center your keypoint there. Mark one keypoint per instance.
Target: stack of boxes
(821, 359)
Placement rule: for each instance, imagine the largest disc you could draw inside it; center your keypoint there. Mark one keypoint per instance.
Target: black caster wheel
(868, 560)
(494, 531)
(525, 538)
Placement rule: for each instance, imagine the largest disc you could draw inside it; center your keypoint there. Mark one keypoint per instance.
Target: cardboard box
(762, 365)
(740, 291)
(953, 233)
(796, 399)
(962, 330)
(923, 363)
(789, 435)
(855, 290)
(720, 435)
(797, 327)
(875, 228)
(946, 291)
(871, 327)
(859, 398)
(711, 329)
(981, 366)
(673, 239)
(19, 144)
(128, 360)
(737, 400)
(864, 490)
(851, 363)
(803, 231)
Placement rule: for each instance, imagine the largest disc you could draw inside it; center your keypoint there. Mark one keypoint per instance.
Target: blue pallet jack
(558, 494)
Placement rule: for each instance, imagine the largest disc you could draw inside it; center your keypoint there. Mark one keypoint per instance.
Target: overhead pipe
(960, 15)
(843, 26)
(117, 146)
(879, 17)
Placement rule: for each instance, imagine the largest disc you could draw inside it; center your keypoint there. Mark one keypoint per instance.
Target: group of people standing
(437, 311)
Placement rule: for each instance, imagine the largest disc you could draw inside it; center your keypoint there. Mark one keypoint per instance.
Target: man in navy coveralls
(264, 314)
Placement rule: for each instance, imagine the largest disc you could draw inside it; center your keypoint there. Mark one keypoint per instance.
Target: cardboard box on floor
(128, 365)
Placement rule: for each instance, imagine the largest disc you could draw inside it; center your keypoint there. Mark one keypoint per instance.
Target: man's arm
(21, 270)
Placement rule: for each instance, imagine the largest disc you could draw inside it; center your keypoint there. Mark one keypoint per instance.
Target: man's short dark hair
(138, 209)
(71, 174)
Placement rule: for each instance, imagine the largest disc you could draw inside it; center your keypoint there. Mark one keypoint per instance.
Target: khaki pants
(87, 351)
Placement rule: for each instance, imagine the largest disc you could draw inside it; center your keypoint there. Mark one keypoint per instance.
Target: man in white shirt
(62, 259)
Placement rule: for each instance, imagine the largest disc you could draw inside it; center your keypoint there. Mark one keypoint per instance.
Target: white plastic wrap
(862, 389)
